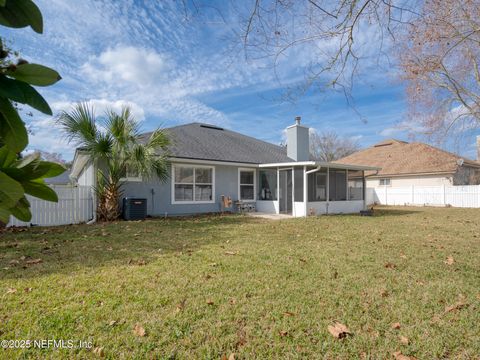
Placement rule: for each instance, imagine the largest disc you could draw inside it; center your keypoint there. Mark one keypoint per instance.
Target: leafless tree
(51, 156)
(329, 146)
(440, 57)
(431, 45)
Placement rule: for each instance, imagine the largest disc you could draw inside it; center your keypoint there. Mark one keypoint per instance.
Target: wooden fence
(75, 206)
(457, 196)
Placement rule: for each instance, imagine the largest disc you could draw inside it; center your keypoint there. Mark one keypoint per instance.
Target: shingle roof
(61, 179)
(397, 157)
(208, 142)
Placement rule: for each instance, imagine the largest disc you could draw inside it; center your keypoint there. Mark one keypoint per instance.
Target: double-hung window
(246, 184)
(385, 182)
(193, 184)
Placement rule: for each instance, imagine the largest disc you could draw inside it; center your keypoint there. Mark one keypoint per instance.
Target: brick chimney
(298, 142)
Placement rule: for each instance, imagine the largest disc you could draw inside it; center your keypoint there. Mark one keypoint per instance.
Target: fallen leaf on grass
(338, 330)
(28, 289)
(139, 330)
(230, 253)
(457, 306)
(232, 301)
(11, 291)
(384, 293)
(210, 302)
(112, 323)
(13, 262)
(449, 260)
(139, 262)
(390, 265)
(303, 260)
(99, 351)
(404, 340)
(283, 333)
(181, 305)
(396, 326)
(34, 261)
(231, 357)
(288, 313)
(399, 356)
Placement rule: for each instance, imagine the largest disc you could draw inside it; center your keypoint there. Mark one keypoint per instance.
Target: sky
(173, 66)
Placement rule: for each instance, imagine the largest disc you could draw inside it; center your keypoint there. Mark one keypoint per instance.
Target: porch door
(285, 190)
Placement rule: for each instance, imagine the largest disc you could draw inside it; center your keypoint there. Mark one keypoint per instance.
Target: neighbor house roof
(396, 157)
(61, 179)
(208, 142)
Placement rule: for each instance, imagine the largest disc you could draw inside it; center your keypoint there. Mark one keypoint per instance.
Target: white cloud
(46, 135)
(127, 64)
(100, 106)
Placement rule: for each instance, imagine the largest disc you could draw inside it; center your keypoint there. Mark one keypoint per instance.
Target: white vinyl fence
(75, 205)
(457, 196)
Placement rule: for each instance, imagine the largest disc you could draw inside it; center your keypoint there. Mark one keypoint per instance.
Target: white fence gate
(456, 196)
(75, 205)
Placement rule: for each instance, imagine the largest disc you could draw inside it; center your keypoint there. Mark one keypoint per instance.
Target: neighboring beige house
(403, 164)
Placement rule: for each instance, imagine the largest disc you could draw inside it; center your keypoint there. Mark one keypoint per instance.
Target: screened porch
(311, 188)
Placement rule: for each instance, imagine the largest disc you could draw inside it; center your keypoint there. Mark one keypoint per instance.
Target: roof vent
(213, 127)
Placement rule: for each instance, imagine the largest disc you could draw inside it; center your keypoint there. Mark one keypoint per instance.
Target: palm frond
(79, 124)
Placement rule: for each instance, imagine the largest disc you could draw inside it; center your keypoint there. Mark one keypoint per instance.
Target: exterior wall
(335, 207)
(271, 207)
(298, 209)
(159, 203)
(425, 180)
(87, 176)
(466, 175)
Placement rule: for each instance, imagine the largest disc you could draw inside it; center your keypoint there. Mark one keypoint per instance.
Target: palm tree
(117, 147)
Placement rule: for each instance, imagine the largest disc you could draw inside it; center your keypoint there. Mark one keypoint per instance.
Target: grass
(212, 286)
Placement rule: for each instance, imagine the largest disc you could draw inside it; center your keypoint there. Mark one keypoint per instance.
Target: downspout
(313, 170)
(94, 195)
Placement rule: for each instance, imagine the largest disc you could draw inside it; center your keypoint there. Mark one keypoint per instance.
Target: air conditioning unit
(134, 208)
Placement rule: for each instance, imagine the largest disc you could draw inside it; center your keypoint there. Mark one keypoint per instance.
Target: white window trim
(174, 202)
(254, 184)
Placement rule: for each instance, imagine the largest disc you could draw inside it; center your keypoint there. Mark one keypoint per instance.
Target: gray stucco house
(208, 162)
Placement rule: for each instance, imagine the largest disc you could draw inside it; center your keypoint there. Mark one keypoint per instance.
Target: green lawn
(212, 286)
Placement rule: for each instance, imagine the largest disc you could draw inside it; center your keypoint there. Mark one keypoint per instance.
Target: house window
(246, 184)
(268, 185)
(385, 182)
(193, 184)
(129, 174)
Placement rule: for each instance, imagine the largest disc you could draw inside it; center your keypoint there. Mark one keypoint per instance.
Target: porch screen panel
(338, 185)
(298, 184)
(355, 185)
(268, 185)
(317, 186)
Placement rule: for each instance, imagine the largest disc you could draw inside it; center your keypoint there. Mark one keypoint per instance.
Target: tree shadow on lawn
(385, 211)
(39, 251)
